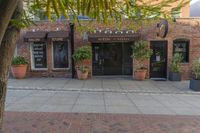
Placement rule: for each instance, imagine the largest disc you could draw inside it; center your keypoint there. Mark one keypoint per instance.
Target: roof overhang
(37, 36)
(58, 35)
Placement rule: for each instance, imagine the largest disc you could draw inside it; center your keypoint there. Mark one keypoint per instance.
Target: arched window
(181, 46)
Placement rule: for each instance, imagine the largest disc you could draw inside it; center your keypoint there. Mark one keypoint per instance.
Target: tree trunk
(7, 7)
(7, 49)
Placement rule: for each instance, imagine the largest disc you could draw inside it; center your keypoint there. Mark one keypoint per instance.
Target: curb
(103, 90)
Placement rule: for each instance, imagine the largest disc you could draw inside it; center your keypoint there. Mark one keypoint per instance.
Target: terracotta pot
(87, 62)
(82, 75)
(140, 74)
(19, 71)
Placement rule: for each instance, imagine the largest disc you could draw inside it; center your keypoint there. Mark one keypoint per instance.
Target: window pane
(182, 47)
(60, 55)
(39, 55)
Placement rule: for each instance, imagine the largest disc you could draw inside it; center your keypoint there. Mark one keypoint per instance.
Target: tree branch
(7, 48)
(7, 7)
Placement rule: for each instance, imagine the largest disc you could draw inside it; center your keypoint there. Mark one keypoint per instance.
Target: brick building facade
(46, 56)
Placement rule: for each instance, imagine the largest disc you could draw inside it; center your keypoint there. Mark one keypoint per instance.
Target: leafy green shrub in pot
(141, 52)
(176, 63)
(19, 67)
(19, 60)
(80, 55)
(195, 83)
(196, 69)
(175, 68)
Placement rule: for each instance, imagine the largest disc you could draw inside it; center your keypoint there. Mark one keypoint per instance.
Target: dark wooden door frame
(99, 71)
(112, 64)
(122, 52)
(166, 41)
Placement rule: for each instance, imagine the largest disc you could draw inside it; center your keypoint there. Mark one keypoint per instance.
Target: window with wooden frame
(181, 46)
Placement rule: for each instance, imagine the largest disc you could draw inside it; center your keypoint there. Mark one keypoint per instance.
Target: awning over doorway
(35, 36)
(113, 36)
(58, 35)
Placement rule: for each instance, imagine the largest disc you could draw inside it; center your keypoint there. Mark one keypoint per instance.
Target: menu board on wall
(39, 55)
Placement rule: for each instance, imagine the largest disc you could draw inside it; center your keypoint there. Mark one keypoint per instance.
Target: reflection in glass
(60, 53)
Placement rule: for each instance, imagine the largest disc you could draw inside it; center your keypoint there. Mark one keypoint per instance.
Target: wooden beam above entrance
(113, 36)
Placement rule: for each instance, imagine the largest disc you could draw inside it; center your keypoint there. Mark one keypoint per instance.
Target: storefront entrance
(112, 58)
(158, 63)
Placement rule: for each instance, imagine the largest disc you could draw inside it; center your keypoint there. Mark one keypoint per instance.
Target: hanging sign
(162, 28)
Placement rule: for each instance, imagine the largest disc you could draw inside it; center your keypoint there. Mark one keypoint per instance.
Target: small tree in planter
(175, 68)
(19, 67)
(80, 55)
(141, 52)
(195, 83)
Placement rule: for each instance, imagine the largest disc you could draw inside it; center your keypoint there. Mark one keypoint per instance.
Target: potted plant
(19, 67)
(195, 82)
(141, 52)
(175, 68)
(80, 56)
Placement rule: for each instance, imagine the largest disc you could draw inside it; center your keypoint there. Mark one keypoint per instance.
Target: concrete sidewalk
(102, 102)
(102, 95)
(100, 85)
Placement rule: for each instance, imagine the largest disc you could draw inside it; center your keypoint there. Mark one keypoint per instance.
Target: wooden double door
(112, 58)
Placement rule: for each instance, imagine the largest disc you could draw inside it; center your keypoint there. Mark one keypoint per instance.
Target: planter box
(195, 85)
(174, 76)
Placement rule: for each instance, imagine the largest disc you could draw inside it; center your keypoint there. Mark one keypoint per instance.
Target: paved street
(22, 122)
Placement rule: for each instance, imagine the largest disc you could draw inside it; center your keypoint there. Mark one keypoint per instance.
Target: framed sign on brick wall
(38, 56)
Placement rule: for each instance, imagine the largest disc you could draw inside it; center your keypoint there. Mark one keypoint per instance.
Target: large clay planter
(82, 75)
(19, 71)
(140, 74)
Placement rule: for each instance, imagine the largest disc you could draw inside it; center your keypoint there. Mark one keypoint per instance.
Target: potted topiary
(175, 68)
(195, 83)
(80, 56)
(19, 67)
(141, 52)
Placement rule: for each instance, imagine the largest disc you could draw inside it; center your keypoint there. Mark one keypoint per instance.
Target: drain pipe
(72, 48)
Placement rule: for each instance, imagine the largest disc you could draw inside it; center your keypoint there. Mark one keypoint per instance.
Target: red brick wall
(183, 28)
(23, 48)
